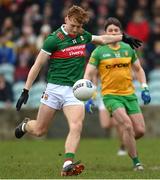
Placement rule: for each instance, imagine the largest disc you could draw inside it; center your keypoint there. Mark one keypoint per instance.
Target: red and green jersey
(114, 67)
(67, 56)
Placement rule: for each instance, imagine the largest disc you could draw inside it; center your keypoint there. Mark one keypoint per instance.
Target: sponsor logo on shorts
(44, 96)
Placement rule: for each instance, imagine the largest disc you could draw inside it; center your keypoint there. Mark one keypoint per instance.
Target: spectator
(7, 53)
(154, 56)
(45, 30)
(155, 32)
(137, 25)
(6, 92)
(21, 71)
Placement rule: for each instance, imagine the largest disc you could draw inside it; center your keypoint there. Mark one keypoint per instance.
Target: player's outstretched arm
(105, 39)
(33, 73)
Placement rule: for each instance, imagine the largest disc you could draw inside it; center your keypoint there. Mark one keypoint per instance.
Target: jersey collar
(66, 33)
(62, 27)
(115, 48)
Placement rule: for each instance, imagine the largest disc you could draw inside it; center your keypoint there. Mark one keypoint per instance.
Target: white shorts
(58, 96)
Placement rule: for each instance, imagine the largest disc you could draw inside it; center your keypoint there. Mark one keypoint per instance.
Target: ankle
(23, 127)
(136, 161)
(66, 163)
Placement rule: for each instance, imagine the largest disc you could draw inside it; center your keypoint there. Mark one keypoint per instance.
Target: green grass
(39, 159)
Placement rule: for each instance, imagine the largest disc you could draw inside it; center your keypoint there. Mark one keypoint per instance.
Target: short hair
(78, 13)
(114, 21)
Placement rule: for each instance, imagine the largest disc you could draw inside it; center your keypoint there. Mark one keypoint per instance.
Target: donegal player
(65, 50)
(115, 62)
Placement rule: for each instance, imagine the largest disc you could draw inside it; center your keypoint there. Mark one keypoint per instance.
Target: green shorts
(129, 102)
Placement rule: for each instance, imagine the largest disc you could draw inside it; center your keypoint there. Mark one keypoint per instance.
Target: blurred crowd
(26, 23)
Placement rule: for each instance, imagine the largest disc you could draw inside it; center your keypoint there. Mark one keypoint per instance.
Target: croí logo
(120, 65)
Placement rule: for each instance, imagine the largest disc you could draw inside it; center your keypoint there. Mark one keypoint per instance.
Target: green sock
(69, 156)
(135, 161)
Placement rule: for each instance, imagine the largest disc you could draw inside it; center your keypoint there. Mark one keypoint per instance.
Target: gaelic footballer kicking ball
(83, 89)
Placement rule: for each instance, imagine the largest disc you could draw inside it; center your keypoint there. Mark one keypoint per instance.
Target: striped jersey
(67, 56)
(114, 67)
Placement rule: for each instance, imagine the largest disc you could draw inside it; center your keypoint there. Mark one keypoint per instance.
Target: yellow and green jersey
(114, 67)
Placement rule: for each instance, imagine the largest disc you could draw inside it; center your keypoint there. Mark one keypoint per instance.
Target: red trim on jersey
(60, 35)
(70, 52)
(72, 35)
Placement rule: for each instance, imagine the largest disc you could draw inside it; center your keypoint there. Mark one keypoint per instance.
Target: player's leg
(75, 116)
(49, 105)
(122, 150)
(105, 121)
(74, 111)
(39, 126)
(138, 124)
(128, 136)
(124, 122)
(136, 117)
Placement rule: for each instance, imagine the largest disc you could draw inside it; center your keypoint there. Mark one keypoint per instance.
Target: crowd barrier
(10, 118)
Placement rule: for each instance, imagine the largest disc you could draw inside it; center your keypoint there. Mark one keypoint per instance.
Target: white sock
(23, 127)
(66, 163)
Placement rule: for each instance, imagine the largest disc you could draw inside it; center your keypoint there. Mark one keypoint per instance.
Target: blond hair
(77, 12)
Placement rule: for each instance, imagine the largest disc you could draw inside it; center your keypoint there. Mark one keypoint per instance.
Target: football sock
(135, 161)
(68, 159)
(69, 156)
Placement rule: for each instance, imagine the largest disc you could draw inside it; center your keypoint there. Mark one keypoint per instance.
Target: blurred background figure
(7, 49)
(6, 93)
(44, 32)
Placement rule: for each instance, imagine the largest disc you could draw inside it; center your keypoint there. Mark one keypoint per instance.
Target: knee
(76, 127)
(129, 128)
(139, 133)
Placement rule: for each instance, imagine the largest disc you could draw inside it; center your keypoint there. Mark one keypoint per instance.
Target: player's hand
(89, 106)
(22, 99)
(145, 95)
(133, 42)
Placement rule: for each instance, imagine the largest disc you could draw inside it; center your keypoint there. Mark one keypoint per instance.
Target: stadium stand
(36, 94)
(8, 71)
(17, 89)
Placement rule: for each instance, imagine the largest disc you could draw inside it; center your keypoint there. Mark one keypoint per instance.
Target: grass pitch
(37, 159)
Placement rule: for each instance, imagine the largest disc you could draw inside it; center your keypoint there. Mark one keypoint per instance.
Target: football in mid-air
(83, 89)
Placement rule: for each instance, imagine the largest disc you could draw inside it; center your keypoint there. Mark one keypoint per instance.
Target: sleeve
(94, 58)
(134, 56)
(88, 36)
(50, 44)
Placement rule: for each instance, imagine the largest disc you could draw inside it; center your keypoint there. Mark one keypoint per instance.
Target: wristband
(25, 90)
(144, 85)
